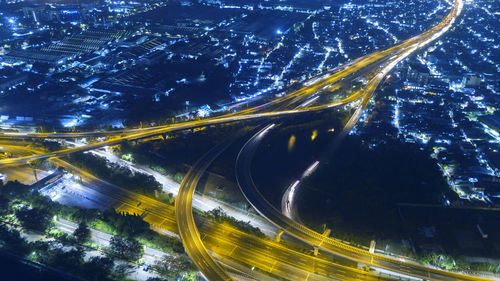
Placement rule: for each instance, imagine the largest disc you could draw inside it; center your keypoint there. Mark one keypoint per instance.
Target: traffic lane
(185, 220)
(290, 267)
(228, 241)
(258, 201)
(164, 211)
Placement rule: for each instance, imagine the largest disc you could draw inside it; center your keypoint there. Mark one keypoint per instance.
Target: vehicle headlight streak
(402, 51)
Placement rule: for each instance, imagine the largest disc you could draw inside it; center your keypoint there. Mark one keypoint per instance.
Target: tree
(36, 219)
(41, 67)
(126, 225)
(4, 203)
(116, 174)
(15, 188)
(177, 247)
(176, 264)
(54, 254)
(218, 214)
(85, 215)
(98, 268)
(126, 249)
(178, 177)
(122, 270)
(82, 233)
(11, 240)
(68, 260)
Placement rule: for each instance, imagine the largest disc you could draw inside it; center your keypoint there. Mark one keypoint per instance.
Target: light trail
(402, 51)
(225, 242)
(266, 209)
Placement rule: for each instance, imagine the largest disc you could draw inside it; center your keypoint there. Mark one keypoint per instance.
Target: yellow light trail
(397, 54)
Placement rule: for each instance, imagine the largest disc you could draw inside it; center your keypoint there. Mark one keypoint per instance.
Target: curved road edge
(186, 225)
(301, 232)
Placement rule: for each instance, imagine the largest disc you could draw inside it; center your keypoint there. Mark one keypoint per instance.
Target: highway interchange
(227, 243)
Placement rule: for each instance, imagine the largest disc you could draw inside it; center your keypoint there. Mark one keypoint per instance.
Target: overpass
(228, 244)
(392, 55)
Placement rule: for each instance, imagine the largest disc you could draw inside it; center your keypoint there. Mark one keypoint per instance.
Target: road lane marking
(231, 253)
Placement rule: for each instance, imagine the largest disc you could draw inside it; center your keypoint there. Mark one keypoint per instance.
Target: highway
(266, 209)
(325, 82)
(225, 242)
(154, 131)
(117, 140)
(247, 253)
(200, 201)
(185, 221)
(305, 234)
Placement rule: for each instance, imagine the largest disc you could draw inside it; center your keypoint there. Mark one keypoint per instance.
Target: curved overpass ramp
(186, 225)
(299, 231)
(266, 209)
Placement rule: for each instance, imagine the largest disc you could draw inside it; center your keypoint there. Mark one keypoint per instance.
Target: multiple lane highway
(303, 233)
(315, 239)
(225, 242)
(228, 243)
(375, 61)
(185, 220)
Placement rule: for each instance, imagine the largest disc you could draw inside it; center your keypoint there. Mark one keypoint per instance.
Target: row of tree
(218, 215)
(116, 174)
(36, 212)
